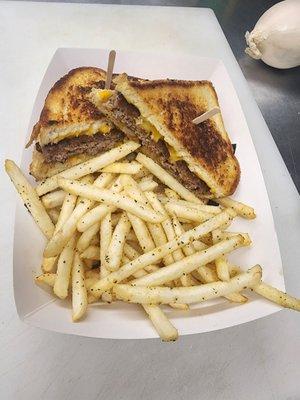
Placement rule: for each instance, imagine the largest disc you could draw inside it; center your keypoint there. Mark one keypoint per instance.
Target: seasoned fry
(110, 198)
(53, 199)
(142, 233)
(62, 236)
(115, 248)
(87, 167)
(91, 253)
(64, 267)
(187, 213)
(188, 295)
(140, 229)
(99, 212)
(79, 293)
(105, 239)
(157, 254)
(148, 185)
(277, 296)
(166, 178)
(207, 275)
(94, 216)
(190, 263)
(163, 326)
(241, 209)
(123, 168)
(67, 208)
(53, 214)
(49, 264)
(47, 278)
(166, 224)
(60, 239)
(30, 198)
(221, 262)
(87, 236)
(198, 207)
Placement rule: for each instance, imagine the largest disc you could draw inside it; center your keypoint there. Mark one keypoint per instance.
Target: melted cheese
(174, 156)
(104, 94)
(156, 136)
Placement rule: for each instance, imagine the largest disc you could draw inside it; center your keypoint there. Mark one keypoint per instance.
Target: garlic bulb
(275, 38)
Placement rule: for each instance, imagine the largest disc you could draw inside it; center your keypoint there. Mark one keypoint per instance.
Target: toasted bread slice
(170, 106)
(67, 111)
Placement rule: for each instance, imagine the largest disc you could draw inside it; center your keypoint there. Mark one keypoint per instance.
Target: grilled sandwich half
(71, 129)
(159, 114)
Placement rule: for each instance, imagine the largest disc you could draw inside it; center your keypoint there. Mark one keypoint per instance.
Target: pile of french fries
(128, 231)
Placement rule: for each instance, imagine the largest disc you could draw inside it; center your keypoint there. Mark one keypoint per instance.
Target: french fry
(47, 278)
(104, 180)
(30, 198)
(221, 262)
(130, 252)
(87, 236)
(115, 248)
(123, 168)
(163, 326)
(165, 329)
(143, 174)
(241, 209)
(140, 228)
(53, 199)
(234, 270)
(94, 216)
(189, 214)
(188, 295)
(64, 267)
(79, 293)
(49, 264)
(60, 239)
(198, 207)
(63, 235)
(190, 263)
(91, 253)
(207, 275)
(99, 212)
(156, 230)
(53, 214)
(110, 198)
(166, 224)
(142, 233)
(148, 185)
(166, 178)
(277, 296)
(67, 208)
(157, 254)
(105, 239)
(132, 188)
(87, 167)
(89, 282)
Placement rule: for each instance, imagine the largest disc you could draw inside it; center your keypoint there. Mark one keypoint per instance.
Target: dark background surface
(277, 92)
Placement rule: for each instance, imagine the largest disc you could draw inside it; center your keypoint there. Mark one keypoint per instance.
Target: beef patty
(87, 144)
(124, 116)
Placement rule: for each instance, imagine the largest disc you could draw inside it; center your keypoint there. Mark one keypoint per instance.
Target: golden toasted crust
(171, 105)
(67, 108)
(40, 169)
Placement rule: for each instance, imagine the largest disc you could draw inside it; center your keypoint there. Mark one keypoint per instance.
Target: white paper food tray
(124, 321)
